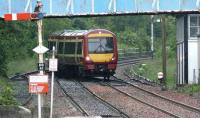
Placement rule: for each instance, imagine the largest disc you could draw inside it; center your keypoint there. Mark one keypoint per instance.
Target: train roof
(77, 33)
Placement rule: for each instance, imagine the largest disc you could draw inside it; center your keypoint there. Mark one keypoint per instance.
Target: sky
(100, 6)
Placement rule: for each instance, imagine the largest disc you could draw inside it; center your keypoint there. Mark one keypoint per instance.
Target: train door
(78, 52)
(60, 51)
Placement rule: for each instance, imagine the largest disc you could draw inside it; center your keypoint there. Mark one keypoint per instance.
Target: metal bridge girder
(67, 8)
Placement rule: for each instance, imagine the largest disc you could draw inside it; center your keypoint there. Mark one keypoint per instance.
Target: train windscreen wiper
(100, 47)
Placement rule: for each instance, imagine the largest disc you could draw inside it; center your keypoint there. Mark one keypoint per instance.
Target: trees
(17, 39)
(16, 42)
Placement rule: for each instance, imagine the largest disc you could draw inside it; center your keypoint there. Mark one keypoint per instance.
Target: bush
(3, 67)
(6, 95)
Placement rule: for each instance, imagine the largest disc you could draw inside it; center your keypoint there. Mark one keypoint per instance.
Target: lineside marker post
(53, 65)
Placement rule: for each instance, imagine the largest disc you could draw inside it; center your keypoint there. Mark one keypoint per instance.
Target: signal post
(38, 83)
(40, 50)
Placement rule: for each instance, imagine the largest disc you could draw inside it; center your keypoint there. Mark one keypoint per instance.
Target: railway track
(20, 87)
(129, 60)
(136, 95)
(142, 80)
(73, 101)
(81, 97)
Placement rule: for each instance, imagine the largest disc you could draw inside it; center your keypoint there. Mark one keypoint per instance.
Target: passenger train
(85, 52)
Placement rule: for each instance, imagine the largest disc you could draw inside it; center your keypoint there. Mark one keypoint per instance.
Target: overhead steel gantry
(73, 8)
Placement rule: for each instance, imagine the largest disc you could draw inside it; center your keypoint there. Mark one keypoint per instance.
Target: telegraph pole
(164, 58)
(152, 35)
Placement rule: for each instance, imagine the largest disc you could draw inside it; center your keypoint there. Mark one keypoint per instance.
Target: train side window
(60, 48)
(69, 48)
(51, 44)
(79, 48)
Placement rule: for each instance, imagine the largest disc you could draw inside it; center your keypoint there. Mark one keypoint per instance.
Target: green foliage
(17, 39)
(171, 36)
(141, 69)
(150, 69)
(7, 95)
(170, 39)
(189, 89)
(3, 67)
(22, 66)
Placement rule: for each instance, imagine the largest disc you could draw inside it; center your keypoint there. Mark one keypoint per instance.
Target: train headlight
(113, 58)
(87, 58)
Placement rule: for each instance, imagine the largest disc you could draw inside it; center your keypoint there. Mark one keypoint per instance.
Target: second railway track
(166, 105)
(87, 102)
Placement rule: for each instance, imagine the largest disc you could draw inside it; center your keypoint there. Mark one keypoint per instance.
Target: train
(85, 52)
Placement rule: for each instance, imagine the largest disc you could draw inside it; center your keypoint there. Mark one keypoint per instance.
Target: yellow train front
(86, 52)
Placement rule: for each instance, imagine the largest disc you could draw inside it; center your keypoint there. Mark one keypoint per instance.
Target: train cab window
(51, 44)
(79, 48)
(69, 48)
(100, 45)
(60, 47)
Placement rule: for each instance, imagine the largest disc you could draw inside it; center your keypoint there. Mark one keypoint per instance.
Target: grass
(21, 66)
(3, 81)
(150, 68)
(6, 92)
(190, 89)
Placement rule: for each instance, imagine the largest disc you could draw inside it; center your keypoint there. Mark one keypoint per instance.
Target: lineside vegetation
(17, 39)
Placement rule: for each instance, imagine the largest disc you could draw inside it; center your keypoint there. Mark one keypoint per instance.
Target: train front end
(100, 54)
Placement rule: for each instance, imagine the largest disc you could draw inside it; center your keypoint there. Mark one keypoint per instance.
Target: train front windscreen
(100, 45)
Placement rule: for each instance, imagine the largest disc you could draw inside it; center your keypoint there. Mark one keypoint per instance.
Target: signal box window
(194, 26)
(60, 48)
(69, 48)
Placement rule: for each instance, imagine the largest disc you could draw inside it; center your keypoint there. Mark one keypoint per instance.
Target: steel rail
(191, 108)
(131, 61)
(156, 108)
(73, 101)
(28, 100)
(124, 115)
